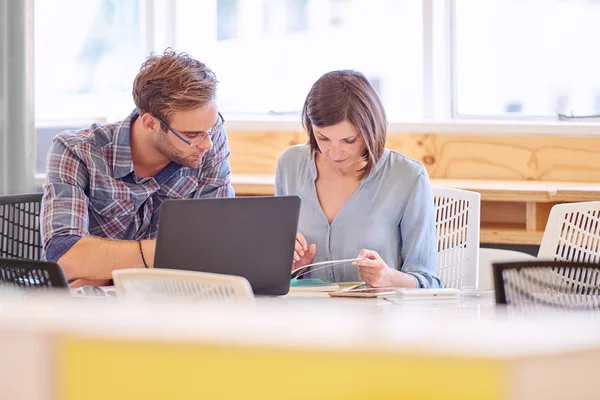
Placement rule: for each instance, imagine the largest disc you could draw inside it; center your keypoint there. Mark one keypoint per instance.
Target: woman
(359, 199)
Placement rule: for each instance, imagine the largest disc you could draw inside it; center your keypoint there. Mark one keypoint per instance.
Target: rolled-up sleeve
(417, 228)
(64, 214)
(215, 176)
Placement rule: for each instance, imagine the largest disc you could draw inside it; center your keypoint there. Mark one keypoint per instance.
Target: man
(105, 184)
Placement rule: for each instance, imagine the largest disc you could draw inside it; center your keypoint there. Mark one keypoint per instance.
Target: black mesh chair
(30, 274)
(20, 226)
(538, 285)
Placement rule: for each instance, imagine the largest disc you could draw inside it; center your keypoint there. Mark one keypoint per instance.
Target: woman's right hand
(303, 253)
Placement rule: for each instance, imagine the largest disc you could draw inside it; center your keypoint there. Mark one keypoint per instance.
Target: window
(527, 58)
(484, 59)
(86, 56)
(267, 54)
(84, 65)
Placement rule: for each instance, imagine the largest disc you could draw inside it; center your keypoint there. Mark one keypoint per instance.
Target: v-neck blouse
(391, 212)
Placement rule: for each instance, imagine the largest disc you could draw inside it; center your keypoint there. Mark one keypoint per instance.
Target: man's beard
(176, 155)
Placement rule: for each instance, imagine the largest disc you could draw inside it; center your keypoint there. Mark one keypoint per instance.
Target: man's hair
(173, 81)
(347, 95)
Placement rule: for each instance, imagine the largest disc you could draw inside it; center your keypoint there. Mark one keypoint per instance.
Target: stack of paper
(312, 285)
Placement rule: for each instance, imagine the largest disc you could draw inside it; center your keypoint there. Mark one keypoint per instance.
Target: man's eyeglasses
(201, 137)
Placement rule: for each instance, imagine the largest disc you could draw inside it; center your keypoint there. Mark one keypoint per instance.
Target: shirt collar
(122, 159)
(382, 161)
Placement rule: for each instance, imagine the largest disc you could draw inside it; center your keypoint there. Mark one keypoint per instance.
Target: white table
(463, 306)
(271, 346)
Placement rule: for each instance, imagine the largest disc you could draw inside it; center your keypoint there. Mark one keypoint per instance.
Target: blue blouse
(391, 212)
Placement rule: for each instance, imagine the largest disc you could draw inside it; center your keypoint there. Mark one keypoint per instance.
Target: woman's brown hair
(173, 81)
(347, 96)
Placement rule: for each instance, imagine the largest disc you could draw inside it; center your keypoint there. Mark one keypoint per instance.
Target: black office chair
(30, 274)
(20, 226)
(531, 285)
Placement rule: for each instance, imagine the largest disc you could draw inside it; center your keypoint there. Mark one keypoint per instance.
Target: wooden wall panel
(257, 152)
(450, 156)
(502, 212)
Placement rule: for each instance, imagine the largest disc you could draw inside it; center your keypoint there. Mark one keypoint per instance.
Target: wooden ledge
(490, 190)
(512, 212)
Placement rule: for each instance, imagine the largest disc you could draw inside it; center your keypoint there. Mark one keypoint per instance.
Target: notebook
(312, 285)
(365, 293)
(322, 264)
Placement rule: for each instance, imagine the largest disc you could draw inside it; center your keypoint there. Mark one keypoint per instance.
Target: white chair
(487, 257)
(172, 284)
(457, 223)
(572, 233)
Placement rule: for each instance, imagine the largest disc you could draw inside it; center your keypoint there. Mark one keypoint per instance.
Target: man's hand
(77, 283)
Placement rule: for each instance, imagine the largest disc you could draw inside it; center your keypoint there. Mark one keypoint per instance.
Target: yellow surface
(96, 369)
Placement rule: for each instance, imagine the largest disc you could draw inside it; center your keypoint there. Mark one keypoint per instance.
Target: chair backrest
(20, 226)
(490, 256)
(457, 226)
(173, 284)
(30, 274)
(535, 285)
(572, 233)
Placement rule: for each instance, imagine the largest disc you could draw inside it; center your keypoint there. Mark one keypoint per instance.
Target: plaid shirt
(91, 187)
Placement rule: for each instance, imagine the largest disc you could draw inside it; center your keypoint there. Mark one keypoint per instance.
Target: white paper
(323, 264)
(332, 262)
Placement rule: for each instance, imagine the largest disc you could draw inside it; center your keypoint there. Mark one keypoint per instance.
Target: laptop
(253, 237)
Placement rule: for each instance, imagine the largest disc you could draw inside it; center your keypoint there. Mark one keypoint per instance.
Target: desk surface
(293, 313)
(468, 306)
(512, 212)
(345, 348)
